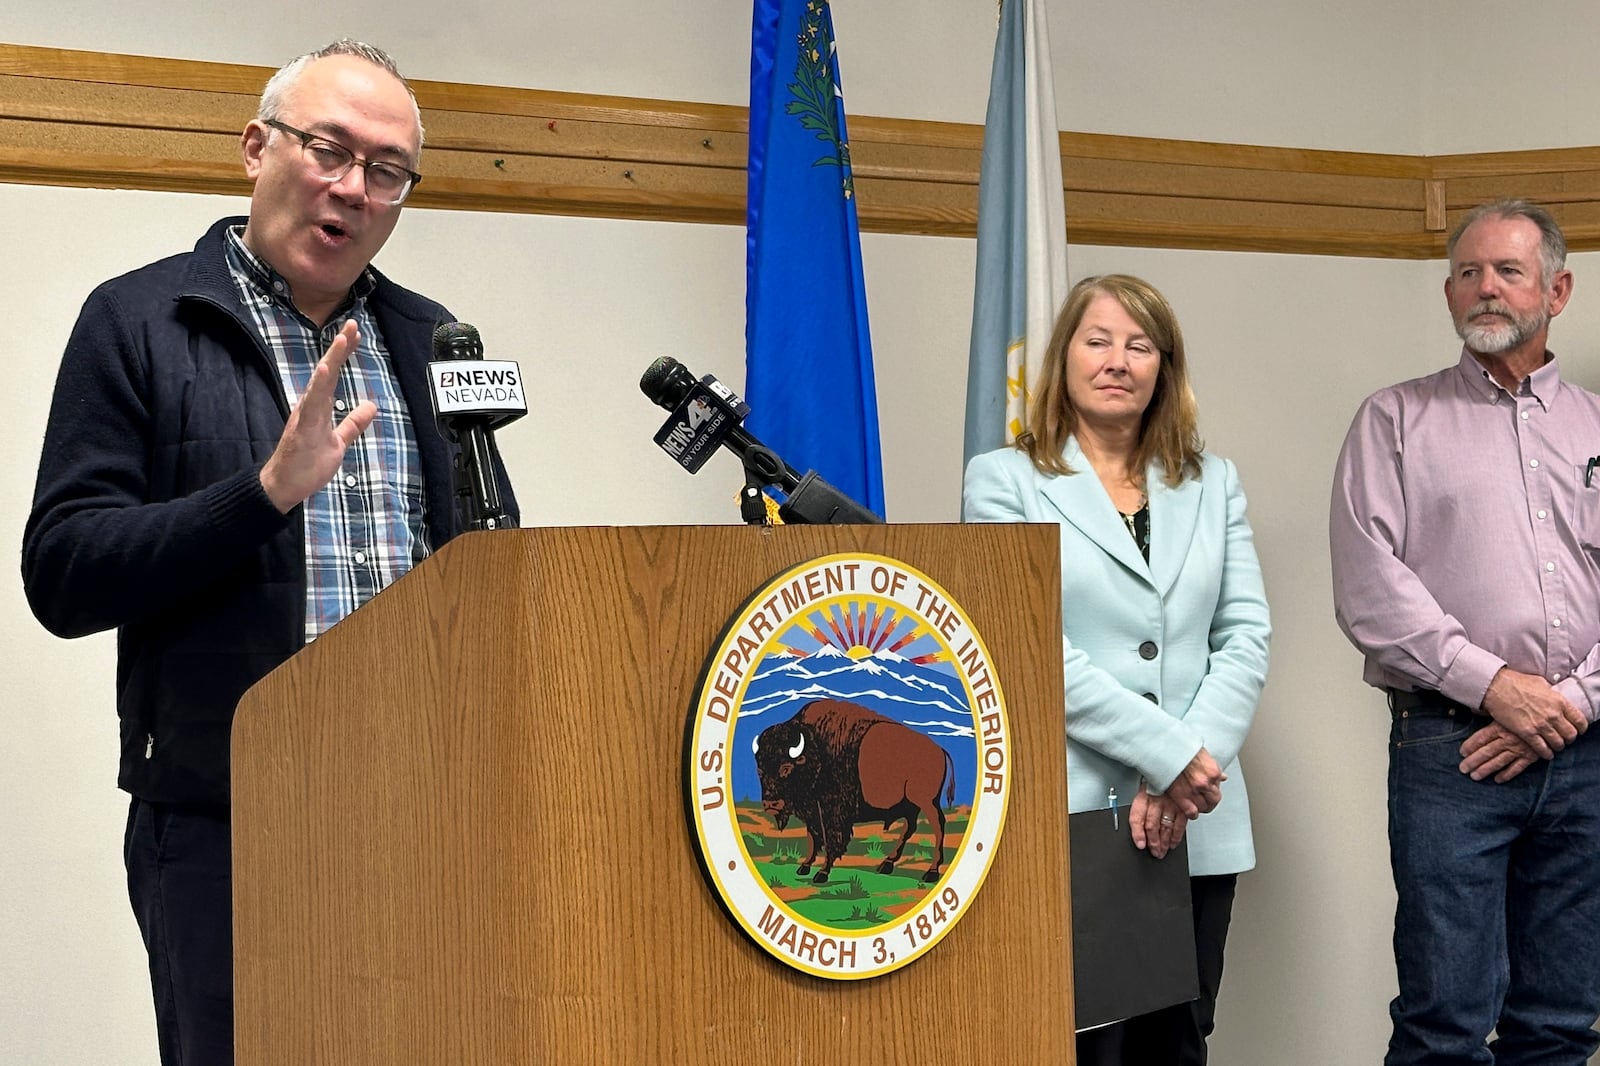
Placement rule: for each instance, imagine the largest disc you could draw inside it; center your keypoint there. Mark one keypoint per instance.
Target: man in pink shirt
(1465, 531)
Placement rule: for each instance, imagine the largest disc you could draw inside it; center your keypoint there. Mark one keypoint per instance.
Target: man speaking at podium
(240, 452)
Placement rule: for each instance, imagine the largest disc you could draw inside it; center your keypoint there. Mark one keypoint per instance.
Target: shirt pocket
(1586, 508)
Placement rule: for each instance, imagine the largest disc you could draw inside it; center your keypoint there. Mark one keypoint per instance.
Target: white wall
(1469, 106)
(1248, 71)
(1283, 349)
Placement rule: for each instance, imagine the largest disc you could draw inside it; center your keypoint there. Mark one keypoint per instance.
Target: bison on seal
(836, 763)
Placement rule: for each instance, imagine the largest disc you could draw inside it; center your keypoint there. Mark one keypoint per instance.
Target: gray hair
(278, 86)
(1552, 244)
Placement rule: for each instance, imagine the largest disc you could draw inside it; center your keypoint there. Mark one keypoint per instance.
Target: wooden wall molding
(101, 120)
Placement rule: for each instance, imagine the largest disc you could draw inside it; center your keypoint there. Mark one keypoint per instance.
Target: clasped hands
(1158, 822)
(1532, 721)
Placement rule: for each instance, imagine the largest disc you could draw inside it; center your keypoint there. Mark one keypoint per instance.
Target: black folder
(1132, 922)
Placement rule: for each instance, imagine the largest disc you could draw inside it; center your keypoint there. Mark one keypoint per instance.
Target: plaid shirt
(364, 528)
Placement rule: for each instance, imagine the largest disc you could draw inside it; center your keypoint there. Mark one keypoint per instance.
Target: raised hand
(312, 447)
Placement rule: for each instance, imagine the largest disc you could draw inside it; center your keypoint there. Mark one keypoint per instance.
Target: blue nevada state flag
(808, 353)
(1022, 233)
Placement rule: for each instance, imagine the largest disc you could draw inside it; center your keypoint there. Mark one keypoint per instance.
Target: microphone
(473, 396)
(706, 414)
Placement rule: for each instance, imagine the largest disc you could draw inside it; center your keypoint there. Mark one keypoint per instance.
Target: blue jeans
(1498, 920)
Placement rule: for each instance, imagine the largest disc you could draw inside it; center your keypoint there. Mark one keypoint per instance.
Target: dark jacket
(149, 515)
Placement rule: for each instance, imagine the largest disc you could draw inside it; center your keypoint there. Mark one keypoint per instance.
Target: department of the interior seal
(847, 766)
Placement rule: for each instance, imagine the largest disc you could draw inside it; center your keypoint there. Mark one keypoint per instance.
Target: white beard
(1501, 335)
(1492, 340)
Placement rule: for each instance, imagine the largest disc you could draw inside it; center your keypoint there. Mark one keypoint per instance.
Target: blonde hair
(1169, 429)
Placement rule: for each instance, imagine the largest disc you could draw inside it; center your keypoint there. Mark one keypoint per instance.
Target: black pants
(180, 881)
(1176, 1035)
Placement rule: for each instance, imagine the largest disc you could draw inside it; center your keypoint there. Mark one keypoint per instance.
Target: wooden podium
(459, 830)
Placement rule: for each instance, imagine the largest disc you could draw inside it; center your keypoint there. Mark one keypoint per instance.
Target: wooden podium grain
(459, 831)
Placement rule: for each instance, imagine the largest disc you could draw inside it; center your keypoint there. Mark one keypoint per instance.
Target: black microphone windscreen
(456, 340)
(666, 382)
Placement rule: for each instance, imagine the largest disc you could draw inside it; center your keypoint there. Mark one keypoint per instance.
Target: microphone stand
(815, 502)
(812, 501)
(762, 469)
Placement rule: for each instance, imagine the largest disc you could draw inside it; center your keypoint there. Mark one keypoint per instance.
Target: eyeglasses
(388, 183)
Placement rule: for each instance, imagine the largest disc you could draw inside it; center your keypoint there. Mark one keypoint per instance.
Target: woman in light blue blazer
(1163, 615)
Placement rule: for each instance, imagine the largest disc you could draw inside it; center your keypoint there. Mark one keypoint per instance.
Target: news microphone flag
(489, 389)
(1022, 233)
(808, 351)
(696, 427)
